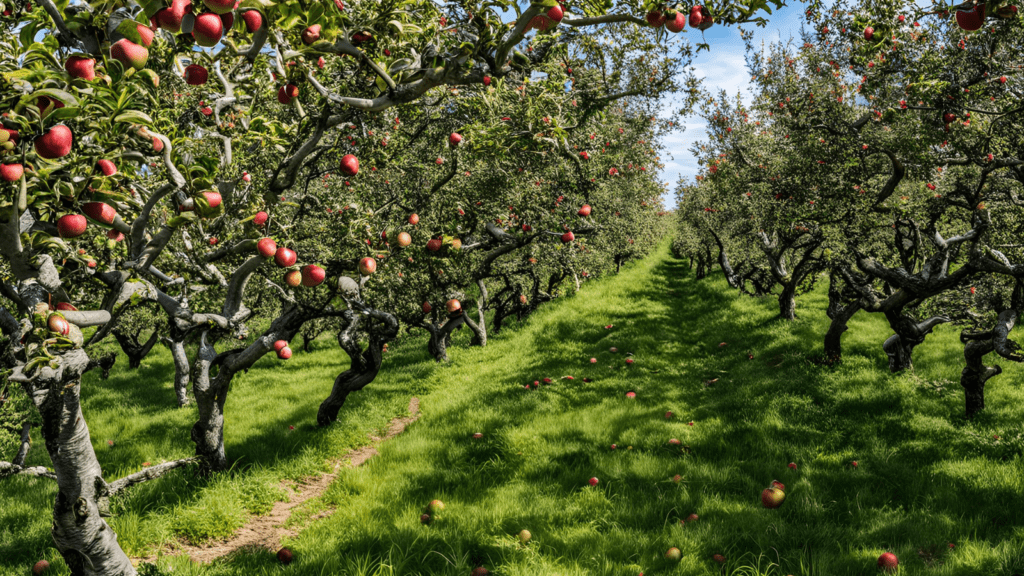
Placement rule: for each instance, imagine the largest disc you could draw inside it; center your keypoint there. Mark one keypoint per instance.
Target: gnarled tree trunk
(909, 334)
(211, 390)
(840, 315)
(365, 364)
(440, 334)
(976, 346)
(81, 535)
(133, 349)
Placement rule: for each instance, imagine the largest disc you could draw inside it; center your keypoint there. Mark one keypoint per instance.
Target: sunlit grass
(925, 478)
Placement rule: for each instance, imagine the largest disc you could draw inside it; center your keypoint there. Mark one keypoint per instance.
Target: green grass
(926, 476)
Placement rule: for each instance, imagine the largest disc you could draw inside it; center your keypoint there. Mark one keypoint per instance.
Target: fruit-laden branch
(516, 35)
(606, 19)
(343, 46)
(176, 178)
(138, 230)
(365, 365)
(898, 173)
(147, 474)
(234, 307)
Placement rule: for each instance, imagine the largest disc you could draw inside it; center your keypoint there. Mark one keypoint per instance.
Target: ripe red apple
(655, 18)
(433, 245)
(888, 562)
(284, 556)
(40, 567)
(439, 161)
(453, 306)
(593, 481)
(213, 241)
(107, 167)
(130, 54)
(567, 237)
(11, 172)
(455, 139)
(114, 235)
(279, 345)
(949, 117)
(284, 257)
(311, 34)
(284, 353)
(869, 33)
(522, 299)
(213, 199)
(287, 93)
(170, 18)
(414, 219)
(253, 20)
(260, 219)
(312, 275)
(71, 225)
(792, 465)
(349, 165)
(100, 212)
(208, 29)
(293, 278)
(696, 16)
(425, 518)
(675, 23)
(158, 144)
(56, 143)
(266, 247)
(479, 571)
(487, 80)
(196, 75)
(584, 211)
(81, 67)
(367, 266)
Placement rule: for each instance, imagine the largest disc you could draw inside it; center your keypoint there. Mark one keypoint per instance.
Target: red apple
(266, 247)
(284, 257)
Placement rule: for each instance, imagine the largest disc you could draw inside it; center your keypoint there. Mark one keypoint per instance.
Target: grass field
(942, 493)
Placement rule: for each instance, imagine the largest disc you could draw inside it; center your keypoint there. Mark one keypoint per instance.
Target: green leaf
(134, 117)
(64, 113)
(65, 98)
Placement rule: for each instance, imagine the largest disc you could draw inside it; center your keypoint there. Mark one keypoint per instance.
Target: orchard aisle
(724, 401)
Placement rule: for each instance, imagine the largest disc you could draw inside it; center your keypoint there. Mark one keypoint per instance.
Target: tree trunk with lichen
(80, 533)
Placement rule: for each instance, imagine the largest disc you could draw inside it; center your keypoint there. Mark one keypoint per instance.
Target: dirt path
(267, 531)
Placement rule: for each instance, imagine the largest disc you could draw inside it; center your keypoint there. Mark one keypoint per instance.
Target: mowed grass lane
(926, 478)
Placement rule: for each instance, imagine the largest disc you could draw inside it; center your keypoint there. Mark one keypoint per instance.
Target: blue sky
(722, 68)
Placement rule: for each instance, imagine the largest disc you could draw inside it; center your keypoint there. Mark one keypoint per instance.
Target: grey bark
(181, 368)
(79, 532)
